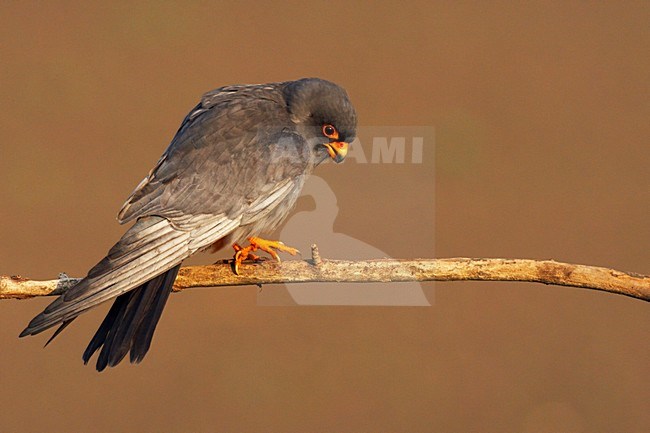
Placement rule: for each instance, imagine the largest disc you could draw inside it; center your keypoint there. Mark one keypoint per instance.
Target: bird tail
(148, 249)
(131, 322)
(139, 271)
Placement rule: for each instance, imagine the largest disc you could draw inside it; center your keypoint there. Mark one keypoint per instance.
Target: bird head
(323, 114)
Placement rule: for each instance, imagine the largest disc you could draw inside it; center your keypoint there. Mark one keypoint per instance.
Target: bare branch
(384, 270)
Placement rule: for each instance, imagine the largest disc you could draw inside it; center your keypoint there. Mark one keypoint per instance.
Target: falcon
(233, 171)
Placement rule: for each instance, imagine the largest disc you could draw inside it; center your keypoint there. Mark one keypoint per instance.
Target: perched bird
(233, 171)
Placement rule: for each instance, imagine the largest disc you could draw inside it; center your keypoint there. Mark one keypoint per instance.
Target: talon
(256, 243)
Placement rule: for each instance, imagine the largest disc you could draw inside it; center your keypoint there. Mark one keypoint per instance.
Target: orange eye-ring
(330, 132)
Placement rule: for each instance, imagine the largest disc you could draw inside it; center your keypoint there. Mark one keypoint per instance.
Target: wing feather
(267, 202)
(164, 248)
(217, 159)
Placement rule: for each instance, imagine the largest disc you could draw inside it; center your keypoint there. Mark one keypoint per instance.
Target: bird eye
(330, 132)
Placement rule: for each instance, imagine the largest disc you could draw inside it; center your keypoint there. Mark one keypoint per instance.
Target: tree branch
(383, 270)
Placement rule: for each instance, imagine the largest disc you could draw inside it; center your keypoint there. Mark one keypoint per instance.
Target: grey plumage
(234, 169)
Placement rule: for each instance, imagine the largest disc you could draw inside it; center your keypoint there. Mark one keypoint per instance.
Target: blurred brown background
(541, 117)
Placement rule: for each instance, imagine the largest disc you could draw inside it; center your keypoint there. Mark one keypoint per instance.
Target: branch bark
(382, 270)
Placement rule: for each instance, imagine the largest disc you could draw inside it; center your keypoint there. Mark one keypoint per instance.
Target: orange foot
(243, 253)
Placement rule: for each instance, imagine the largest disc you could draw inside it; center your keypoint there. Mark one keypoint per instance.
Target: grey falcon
(233, 171)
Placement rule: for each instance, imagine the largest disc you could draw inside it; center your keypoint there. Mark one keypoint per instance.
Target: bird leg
(243, 253)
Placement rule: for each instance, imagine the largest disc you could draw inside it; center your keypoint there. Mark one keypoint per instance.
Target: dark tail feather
(144, 334)
(58, 330)
(131, 322)
(116, 311)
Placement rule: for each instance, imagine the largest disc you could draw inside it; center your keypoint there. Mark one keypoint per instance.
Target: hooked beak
(337, 150)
